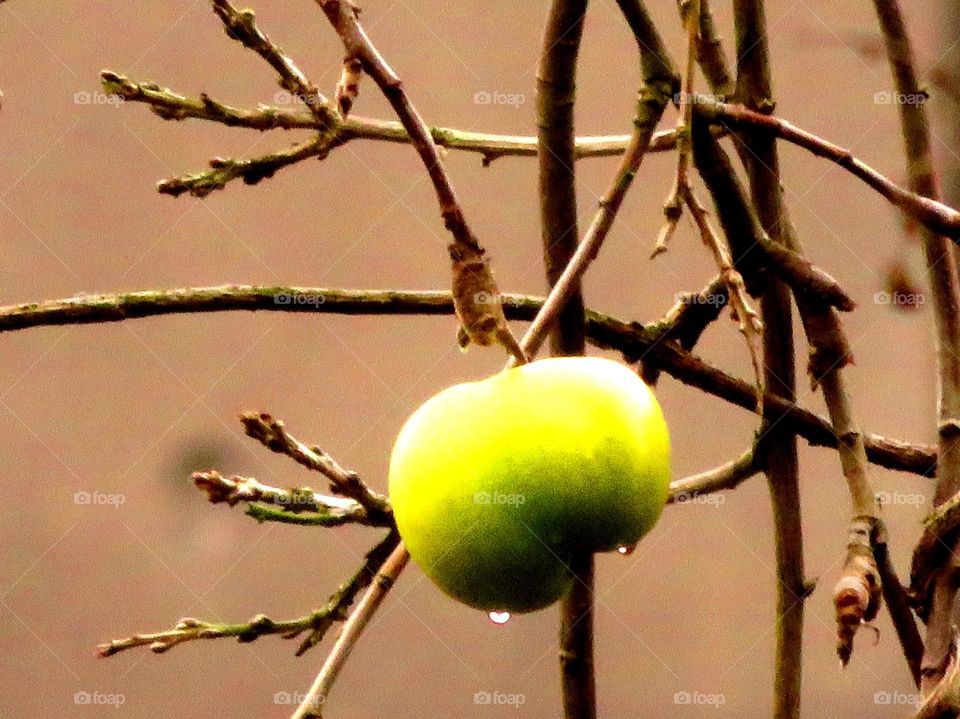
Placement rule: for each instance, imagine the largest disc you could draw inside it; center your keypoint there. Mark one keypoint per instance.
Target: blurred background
(131, 409)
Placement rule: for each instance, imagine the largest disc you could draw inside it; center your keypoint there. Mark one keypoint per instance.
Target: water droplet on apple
(626, 549)
(499, 618)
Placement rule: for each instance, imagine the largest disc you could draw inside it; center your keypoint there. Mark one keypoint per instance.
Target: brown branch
(316, 623)
(927, 209)
(168, 105)
(555, 100)
(750, 324)
(634, 340)
(941, 258)
(673, 205)
(273, 434)
(241, 26)
(482, 321)
(778, 447)
(354, 625)
(319, 508)
(727, 476)
(657, 82)
(224, 170)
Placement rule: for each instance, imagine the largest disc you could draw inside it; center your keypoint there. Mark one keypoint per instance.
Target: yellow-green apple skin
(496, 484)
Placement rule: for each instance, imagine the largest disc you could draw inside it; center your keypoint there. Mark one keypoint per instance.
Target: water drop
(499, 618)
(626, 549)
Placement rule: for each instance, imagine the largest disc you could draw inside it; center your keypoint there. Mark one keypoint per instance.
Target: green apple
(497, 484)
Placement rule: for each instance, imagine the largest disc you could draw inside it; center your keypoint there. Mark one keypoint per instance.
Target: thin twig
(169, 105)
(750, 324)
(319, 508)
(273, 434)
(673, 205)
(726, 476)
(241, 26)
(482, 321)
(635, 340)
(317, 623)
(657, 78)
(352, 628)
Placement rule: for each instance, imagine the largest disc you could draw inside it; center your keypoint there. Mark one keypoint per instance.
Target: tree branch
(317, 622)
(352, 628)
(779, 444)
(941, 260)
(635, 340)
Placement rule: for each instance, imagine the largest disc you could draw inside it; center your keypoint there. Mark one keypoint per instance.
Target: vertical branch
(779, 444)
(658, 81)
(558, 200)
(940, 592)
(558, 218)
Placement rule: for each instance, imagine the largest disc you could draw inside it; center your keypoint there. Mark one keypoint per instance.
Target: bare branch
(726, 476)
(635, 340)
(482, 321)
(317, 622)
(273, 434)
(352, 628)
(301, 505)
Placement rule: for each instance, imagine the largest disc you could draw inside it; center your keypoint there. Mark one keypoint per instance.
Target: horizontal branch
(297, 506)
(635, 340)
(726, 476)
(169, 105)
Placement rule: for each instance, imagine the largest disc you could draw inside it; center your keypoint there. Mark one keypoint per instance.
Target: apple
(497, 484)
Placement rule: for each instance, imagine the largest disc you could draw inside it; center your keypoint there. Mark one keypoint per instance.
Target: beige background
(133, 408)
